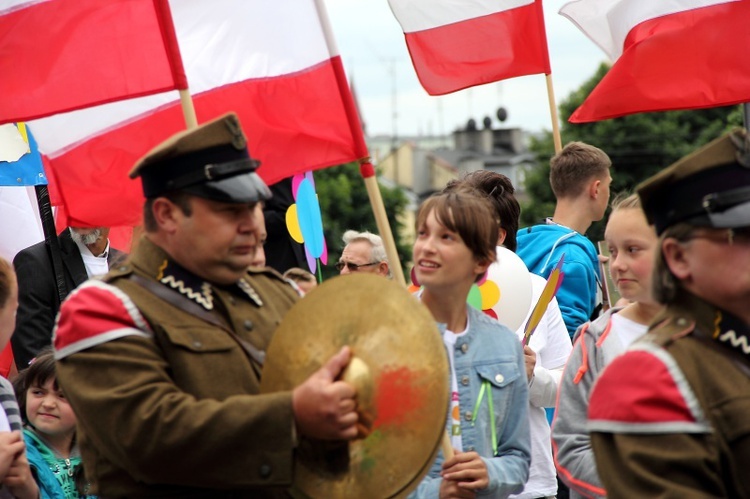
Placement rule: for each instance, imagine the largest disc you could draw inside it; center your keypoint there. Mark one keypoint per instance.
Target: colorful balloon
(506, 293)
(310, 220)
(295, 183)
(503, 292)
(292, 224)
(304, 221)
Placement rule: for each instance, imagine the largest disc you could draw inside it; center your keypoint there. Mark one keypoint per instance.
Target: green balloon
(475, 297)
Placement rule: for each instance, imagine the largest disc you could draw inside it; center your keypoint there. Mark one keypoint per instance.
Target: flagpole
(553, 113)
(51, 240)
(48, 225)
(188, 109)
(175, 62)
(381, 219)
(365, 167)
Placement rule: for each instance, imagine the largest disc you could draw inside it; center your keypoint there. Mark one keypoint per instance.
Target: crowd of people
(145, 381)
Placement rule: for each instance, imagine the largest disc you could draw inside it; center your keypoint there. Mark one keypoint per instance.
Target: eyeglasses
(353, 267)
(739, 235)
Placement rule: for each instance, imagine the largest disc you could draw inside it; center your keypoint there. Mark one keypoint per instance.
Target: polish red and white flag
(273, 63)
(668, 55)
(88, 52)
(456, 44)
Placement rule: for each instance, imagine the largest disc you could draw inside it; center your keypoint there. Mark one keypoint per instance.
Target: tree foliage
(345, 204)
(639, 145)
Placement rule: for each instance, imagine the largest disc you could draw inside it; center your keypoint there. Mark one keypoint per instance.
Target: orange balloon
(490, 294)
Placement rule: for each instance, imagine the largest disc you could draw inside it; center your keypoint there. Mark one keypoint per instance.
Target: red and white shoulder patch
(95, 313)
(645, 391)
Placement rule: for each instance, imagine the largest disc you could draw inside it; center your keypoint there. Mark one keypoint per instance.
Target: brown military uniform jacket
(167, 400)
(671, 417)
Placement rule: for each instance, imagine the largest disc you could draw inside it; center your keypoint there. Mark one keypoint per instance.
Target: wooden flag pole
(446, 447)
(368, 174)
(381, 219)
(553, 114)
(365, 167)
(188, 109)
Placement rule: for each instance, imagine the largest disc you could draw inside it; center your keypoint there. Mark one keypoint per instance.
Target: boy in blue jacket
(580, 179)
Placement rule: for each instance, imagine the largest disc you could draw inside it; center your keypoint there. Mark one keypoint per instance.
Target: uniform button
(499, 378)
(467, 415)
(265, 470)
(248, 325)
(465, 380)
(464, 347)
(682, 322)
(197, 344)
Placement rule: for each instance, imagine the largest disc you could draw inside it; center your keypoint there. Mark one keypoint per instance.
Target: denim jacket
(490, 352)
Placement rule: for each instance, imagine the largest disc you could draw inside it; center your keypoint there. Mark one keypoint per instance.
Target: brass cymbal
(400, 370)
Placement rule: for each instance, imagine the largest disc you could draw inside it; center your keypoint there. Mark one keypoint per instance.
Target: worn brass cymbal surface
(399, 368)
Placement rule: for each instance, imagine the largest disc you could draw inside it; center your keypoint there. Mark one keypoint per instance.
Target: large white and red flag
(268, 61)
(676, 54)
(61, 55)
(456, 44)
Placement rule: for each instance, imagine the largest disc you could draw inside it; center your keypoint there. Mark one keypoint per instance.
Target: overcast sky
(374, 53)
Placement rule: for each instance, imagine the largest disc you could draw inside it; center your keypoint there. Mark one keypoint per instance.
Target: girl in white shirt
(632, 244)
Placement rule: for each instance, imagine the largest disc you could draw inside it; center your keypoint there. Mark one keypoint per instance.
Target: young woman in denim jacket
(487, 420)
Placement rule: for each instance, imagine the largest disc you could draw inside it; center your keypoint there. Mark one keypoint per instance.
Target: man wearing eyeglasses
(669, 418)
(364, 252)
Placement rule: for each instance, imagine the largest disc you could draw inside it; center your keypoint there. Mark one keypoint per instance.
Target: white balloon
(512, 278)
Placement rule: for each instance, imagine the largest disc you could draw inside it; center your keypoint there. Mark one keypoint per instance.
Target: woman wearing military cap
(671, 417)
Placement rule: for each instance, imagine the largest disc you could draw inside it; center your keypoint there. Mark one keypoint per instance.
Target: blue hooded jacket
(39, 457)
(541, 246)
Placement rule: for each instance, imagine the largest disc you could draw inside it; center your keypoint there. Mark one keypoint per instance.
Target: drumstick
(446, 447)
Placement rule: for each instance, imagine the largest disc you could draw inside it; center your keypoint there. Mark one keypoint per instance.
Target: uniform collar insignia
(186, 283)
(731, 332)
(246, 288)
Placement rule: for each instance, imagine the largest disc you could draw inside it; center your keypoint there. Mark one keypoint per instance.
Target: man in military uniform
(161, 359)
(671, 417)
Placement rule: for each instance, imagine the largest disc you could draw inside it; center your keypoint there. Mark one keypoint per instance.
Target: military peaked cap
(707, 188)
(210, 161)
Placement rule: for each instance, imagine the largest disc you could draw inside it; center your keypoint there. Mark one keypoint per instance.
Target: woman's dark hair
(467, 213)
(500, 191)
(40, 370)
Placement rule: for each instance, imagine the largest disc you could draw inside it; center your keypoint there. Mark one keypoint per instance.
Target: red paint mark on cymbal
(399, 394)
